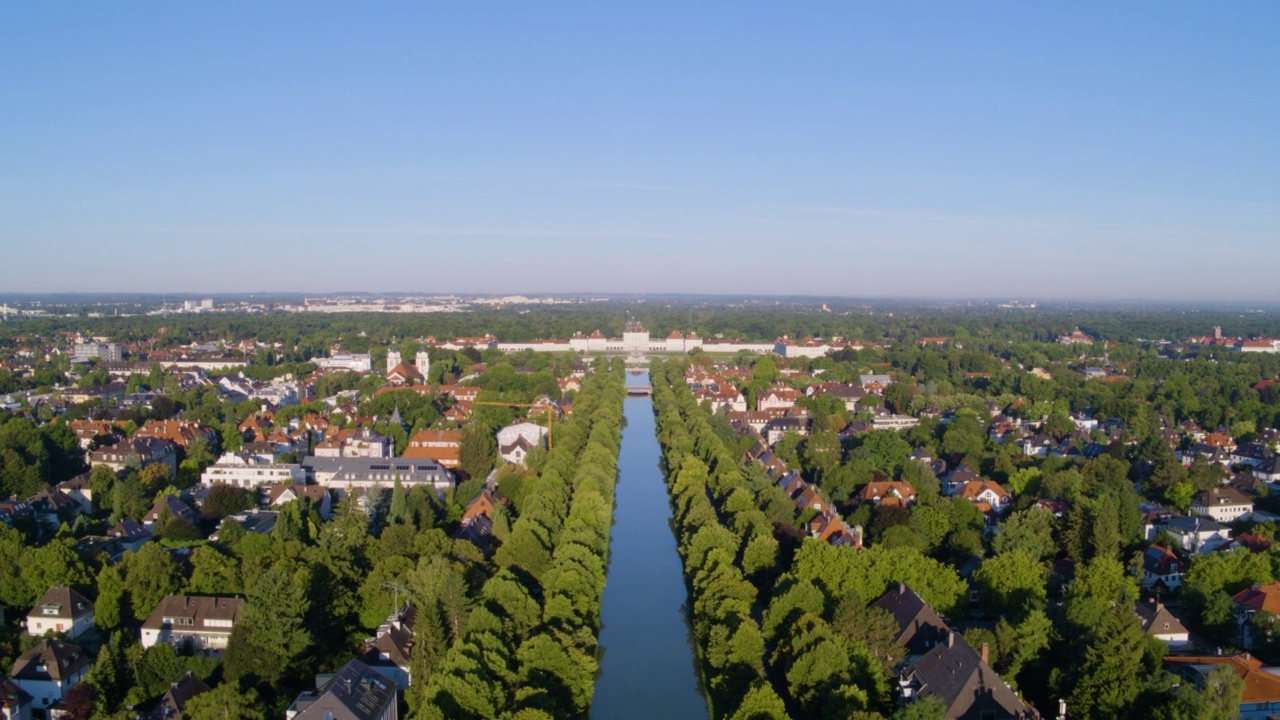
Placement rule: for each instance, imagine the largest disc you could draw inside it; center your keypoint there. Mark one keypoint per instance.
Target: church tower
(424, 363)
(393, 359)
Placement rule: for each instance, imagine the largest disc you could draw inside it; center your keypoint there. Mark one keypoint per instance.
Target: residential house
(355, 442)
(1252, 600)
(51, 505)
(1250, 542)
(1161, 565)
(130, 534)
(957, 479)
(963, 680)
(1163, 625)
(180, 432)
(176, 508)
(321, 499)
(1196, 534)
(1268, 470)
(174, 701)
(78, 489)
(1261, 696)
(248, 471)
(777, 396)
(89, 430)
(13, 510)
(987, 495)
(443, 446)
(1223, 504)
(777, 428)
(355, 692)
(889, 493)
(91, 548)
(1038, 445)
(388, 652)
(920, 629)
(61, 610)
(875, 384)
(137, 451)
(197, 623)
(482, 505)
(515, 441)
(48, 671)
(15, 703)
(891, 421)
(1251, 454)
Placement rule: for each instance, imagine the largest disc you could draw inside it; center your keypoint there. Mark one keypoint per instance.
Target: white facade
(47, 692)
(531, 432)
(104, 352)
(350, 362)
(39, 624)
(734, 346)
(246, 472)
(895, 422)
(1221, 509)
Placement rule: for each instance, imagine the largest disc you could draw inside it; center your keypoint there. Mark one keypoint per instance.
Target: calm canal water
(647, 670)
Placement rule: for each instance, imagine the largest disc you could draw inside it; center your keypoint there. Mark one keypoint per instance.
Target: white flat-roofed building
(350, 362)
(247, 471)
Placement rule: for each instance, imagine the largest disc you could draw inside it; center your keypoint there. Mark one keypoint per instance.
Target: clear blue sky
(1106, 150)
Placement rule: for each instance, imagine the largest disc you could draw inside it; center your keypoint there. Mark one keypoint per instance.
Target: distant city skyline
(1083, 151)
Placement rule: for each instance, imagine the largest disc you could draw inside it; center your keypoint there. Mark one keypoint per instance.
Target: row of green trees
(529, 648)
(721, 536)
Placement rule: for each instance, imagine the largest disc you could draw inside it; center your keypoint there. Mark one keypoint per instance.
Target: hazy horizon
(910, 151)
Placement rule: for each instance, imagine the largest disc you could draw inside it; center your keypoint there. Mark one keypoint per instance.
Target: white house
(48, 671)
(247, 471)
(1196, 534)
(61, 610)
(15, 703)
(1160, 565)
(894, 422)
(200, 624)
(1223, 504)
(1161, 624)
(515, 441)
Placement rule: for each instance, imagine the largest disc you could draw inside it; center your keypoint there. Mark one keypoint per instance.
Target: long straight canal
(648, 669)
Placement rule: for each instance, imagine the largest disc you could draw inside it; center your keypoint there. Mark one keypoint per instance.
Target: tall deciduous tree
(225, 702)
(477, 451)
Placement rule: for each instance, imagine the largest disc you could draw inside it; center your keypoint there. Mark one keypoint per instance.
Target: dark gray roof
(919, 627)
(62, 602)
(50, 660)
(12, 695)
(175, 699)
(957, 675)
(355, 692)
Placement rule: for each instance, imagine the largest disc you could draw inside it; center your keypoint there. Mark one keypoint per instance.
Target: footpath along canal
(648, 669)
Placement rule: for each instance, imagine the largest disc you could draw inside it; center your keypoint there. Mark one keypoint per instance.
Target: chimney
(986, 650)
(902, 588)
(951, 639)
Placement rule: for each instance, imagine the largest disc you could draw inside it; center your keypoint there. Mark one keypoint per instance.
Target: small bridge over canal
(639, 390)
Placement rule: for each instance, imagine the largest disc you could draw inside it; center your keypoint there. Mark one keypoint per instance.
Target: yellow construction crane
(550, 413)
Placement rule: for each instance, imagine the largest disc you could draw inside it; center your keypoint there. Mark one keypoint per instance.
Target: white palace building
(636, 340)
